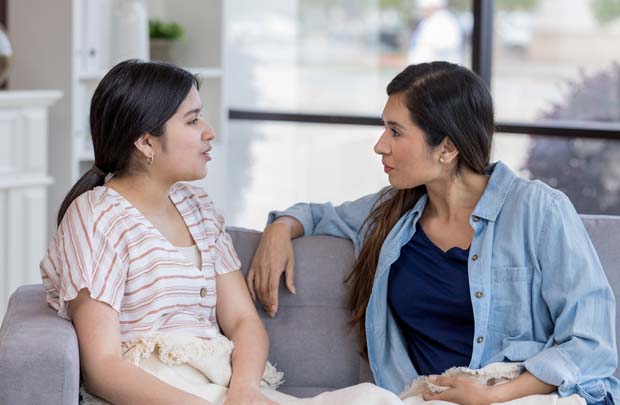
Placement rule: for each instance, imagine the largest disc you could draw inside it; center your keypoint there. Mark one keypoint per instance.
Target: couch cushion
(604, 231)
(309, 339)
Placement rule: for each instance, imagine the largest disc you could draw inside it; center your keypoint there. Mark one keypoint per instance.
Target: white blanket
(203, 368)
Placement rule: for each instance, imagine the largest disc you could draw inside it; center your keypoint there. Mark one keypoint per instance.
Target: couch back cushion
(309, 339)
(604, 231)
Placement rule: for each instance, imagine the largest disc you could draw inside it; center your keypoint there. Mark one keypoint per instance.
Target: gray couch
(39, 361)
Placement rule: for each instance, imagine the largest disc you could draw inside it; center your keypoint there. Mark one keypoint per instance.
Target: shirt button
(479, 339)
(203, 292)
(479, 294)
(474, 257)
(476, 219)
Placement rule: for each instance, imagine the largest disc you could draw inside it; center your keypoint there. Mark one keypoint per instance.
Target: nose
(208, 133)
(381, 147)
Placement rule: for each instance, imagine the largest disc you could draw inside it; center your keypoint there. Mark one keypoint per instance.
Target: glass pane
(279, 164)
(557, 60)
(335, 56)
(587, 170)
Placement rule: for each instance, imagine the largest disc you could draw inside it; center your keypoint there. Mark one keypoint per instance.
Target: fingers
(443, 381)
(273, 285)
(449, 395)
(250, 282)
(433, 396)
(290, 275)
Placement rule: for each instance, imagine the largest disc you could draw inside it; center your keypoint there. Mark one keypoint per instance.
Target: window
(334, 56)
(310, 77)
(277, 164)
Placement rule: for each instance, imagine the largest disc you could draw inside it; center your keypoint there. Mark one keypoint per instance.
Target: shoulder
(92, 209)
(536, 193)
(538, 204)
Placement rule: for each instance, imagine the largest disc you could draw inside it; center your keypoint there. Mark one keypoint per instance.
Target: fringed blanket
(203, 368)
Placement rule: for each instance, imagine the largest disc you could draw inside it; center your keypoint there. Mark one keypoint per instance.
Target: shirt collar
(496, 191)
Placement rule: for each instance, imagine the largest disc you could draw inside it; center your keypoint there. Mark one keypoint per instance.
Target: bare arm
(522, 386)
(106, 373)
(294, 227)
(239, 321)
(273, 257)
(467, 391)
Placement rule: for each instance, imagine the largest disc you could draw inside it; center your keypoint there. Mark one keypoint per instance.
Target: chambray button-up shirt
(539, 293)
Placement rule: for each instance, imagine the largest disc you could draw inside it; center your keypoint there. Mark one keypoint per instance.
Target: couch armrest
(39, 359)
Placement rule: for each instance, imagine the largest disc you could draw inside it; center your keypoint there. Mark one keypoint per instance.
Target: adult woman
(501, 268)
(143, 254)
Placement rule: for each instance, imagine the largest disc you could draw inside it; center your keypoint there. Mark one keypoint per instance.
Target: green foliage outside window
(606, 10)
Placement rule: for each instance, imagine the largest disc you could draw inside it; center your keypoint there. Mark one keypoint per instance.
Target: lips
(206, 154)
(387, 168)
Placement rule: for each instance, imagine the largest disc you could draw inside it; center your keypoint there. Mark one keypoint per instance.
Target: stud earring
(149, 159)
(441, 160)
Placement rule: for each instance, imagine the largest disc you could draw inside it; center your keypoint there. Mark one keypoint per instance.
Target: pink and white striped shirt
(106, 245)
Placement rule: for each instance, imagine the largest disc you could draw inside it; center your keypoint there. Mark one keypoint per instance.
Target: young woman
(460, 263)
(141, 253)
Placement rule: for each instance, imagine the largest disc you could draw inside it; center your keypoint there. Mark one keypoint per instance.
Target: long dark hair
(444, 100)
(132, 99)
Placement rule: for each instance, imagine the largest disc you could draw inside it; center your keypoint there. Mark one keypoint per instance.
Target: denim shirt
(538, 291)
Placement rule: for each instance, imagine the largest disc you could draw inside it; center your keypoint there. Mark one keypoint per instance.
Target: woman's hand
(247, 395)
(273, 257)
(462, 390)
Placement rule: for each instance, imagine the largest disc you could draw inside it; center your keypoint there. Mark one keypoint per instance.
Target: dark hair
(444, 100)
(132, 99)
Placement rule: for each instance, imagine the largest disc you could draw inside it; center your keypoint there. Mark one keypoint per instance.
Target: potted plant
(162, 36)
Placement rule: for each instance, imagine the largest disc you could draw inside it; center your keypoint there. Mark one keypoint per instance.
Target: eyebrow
(394, 124)
(194, 111)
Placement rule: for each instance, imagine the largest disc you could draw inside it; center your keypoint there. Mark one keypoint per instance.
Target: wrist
(284, 225)
(237, 384)
(498, 393)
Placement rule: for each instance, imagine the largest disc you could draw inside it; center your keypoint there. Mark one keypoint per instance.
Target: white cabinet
(23, 187)
(68, 45)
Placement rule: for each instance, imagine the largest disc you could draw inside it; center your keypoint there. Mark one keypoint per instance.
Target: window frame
(482, 64)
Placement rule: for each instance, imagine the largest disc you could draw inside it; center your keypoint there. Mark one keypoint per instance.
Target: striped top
(106, 245)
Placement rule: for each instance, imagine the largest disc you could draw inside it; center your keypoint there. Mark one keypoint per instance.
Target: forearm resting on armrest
(294, 227)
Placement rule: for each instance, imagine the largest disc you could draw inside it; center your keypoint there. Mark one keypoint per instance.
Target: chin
(401, 185)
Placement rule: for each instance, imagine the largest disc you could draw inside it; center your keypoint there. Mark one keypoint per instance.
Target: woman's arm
(466, 391)
(581, 305)
(343, 221)
(239, 321)
(275, 256)
(106, 373)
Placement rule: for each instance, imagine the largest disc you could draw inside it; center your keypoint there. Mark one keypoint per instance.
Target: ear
(144, 144)
(448, 152)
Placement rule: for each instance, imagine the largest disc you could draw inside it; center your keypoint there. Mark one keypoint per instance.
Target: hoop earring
(149, 159)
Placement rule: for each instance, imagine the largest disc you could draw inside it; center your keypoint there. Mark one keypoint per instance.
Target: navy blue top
(428, 293)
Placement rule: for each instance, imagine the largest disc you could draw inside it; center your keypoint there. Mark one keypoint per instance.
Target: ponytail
(91, 179)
